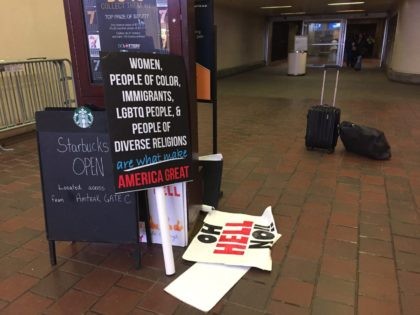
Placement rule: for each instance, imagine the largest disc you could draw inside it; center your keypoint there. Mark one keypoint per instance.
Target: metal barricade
(31, 85)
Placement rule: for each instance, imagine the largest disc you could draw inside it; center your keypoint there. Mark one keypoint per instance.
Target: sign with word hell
(147, 107)
(176, 203)
(235, 239)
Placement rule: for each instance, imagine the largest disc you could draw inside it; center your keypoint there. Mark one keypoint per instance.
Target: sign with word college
(147, 107)
(235, 239)
(124, 25)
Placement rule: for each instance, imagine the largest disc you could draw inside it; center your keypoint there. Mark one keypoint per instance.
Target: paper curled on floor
(235, 239)
(203, 284)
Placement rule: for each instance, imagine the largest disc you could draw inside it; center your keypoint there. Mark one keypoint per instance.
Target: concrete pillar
(405, 62)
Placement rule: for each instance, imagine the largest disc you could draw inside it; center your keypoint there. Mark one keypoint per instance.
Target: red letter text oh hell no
(233, 239)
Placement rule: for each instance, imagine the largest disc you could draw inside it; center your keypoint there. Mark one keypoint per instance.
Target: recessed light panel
(293, 13)
(346, 3)
(349, 11)
(277, 7)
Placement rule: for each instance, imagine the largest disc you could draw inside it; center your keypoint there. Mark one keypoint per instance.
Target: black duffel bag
(365, 141)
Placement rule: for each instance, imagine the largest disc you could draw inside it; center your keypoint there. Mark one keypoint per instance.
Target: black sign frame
(206, 55)
(205, 41)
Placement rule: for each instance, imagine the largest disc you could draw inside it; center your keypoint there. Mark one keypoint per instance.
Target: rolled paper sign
(168, 255)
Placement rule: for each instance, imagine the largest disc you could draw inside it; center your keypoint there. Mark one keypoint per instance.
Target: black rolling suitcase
(323, 121)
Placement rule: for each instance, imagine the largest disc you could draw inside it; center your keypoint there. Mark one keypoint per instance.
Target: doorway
(325, 42)
(282, 41)
(371, 32)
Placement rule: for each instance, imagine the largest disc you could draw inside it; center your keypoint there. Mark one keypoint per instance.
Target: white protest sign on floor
(235, 239)
(225, 248)
(203, 285)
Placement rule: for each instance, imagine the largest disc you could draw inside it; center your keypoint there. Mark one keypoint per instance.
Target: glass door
(325, 42)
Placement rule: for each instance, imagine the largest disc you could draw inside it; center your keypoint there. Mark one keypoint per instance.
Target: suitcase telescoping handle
(326, 67)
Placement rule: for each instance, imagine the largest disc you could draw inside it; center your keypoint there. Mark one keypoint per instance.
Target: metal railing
(31, 85)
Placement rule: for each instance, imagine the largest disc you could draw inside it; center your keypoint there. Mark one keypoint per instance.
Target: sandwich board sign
(80, 203)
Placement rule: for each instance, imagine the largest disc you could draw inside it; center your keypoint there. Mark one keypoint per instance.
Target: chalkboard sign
(147, 107)
(80, 202)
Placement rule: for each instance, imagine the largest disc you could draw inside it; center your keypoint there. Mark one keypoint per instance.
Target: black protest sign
(147, 106)
(80, 202)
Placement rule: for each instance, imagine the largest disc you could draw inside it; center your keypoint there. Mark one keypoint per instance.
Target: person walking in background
(360, 51)
(370, 42)
(354, 51)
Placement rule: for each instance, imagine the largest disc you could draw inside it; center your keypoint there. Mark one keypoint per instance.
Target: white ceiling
(310, 7)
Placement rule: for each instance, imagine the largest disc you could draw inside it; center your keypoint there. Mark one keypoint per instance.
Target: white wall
(240, 38)
(33, 28)
(406, 52)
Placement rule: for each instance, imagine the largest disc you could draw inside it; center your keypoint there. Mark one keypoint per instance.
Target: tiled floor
(350, 225)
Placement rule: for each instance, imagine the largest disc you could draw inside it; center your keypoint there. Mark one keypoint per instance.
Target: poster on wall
(113, 26)
(146, 98)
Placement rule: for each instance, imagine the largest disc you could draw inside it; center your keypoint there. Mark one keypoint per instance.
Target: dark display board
(205, 49)
(125, 25)
(176, 21)
(80, 202)
(206, 58)
(146, 98)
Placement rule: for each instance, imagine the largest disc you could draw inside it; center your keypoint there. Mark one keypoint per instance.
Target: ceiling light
(293, 13)
(346, 3)
(348, 11)
(277, 7)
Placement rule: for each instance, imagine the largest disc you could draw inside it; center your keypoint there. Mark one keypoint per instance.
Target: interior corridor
(350, 226)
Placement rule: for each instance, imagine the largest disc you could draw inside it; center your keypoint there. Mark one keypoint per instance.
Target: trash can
(211, 171)
(296, 62)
